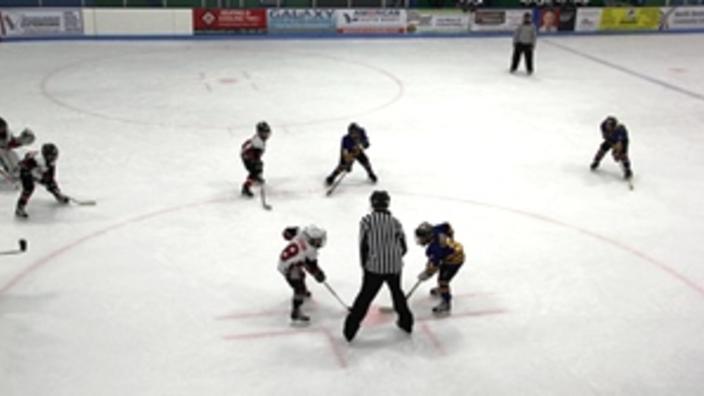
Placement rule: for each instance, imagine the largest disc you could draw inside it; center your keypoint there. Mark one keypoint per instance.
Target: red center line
(335, 346)
(434, 340)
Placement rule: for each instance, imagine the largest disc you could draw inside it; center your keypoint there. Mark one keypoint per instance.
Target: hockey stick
(81, 202)
(337, 297)
(22, 248)
(387, 309)
(262, 195)
(335, 184)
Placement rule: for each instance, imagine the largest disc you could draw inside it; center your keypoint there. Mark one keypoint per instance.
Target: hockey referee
(382, 245)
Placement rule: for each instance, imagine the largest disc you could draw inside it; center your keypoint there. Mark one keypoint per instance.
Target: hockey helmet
(27, 136)
(50, 152)
(610, 123)
(3, 128)
(424, 233)
(354, 128)
(3, 124)
(380, 200)
(263, 130)
(315, 235)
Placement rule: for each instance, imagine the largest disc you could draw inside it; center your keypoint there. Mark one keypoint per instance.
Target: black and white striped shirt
(382, 243)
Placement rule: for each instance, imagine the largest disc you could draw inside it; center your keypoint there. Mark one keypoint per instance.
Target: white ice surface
(574, 285)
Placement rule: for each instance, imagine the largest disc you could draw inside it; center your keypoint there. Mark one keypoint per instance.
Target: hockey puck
(23, 244)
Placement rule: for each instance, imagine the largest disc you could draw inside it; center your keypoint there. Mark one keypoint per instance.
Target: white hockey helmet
(27, 137)
(315, 235)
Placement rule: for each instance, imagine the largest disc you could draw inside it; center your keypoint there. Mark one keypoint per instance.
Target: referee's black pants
(371, 284)
(527, 51)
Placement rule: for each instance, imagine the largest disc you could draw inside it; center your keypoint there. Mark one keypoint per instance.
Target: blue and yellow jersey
(443, 249)
(349, 143)
(619, 134)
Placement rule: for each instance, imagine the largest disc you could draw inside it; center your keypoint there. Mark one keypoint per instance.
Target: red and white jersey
(253, 149)
(296, 253)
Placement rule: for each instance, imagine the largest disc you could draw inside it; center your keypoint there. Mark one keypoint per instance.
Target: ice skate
(329, 180)
(247, 192)
(298, 318)
(443, 308)
(21, 213)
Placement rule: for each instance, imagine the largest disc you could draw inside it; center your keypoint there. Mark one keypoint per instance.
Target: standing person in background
(524, 39)
(251, 154)
(382, 245)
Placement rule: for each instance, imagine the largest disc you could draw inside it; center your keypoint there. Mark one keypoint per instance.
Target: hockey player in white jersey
(9, 160)
(297, 258)
(251, 154)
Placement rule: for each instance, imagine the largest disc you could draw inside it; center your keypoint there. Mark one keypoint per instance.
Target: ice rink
(573, 285)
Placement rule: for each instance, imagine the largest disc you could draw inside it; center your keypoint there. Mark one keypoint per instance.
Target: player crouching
(445, 256)
(352, 149)
(615, 138)
(299, 256)
(41, 168)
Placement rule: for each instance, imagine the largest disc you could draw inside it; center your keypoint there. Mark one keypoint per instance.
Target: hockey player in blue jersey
(445, 257)
(615, 139)
(353, 145)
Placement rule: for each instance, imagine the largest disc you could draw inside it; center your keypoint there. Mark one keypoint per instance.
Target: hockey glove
(290, 232)
(319, 276)
(62, 199)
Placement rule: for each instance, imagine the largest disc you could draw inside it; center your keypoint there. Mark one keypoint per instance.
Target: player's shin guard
(296, 313)
(246, 188)
(331, 178)
(597, 158)
(627, 172)
(445, 305)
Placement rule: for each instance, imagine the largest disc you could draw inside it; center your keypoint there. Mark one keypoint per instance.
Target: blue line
(634, 73)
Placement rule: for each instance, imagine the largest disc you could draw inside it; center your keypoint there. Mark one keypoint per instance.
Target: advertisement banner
(428, 22)
(682, 18)
(548, 20)
(588, 19)
(41, 22)
(641, 18)
(567, 17)
(301, 20)
(220, 20)
(381, 20)
(487, 20)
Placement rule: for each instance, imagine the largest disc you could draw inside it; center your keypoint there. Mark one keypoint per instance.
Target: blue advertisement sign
(298, 20)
